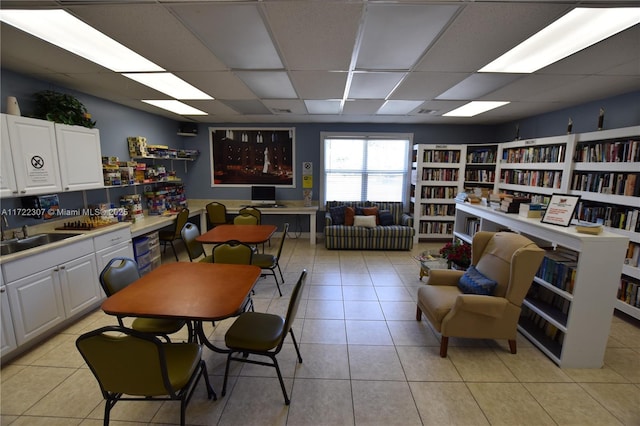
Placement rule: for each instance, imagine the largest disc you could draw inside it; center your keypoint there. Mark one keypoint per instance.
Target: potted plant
(457, 253)
(62, 108)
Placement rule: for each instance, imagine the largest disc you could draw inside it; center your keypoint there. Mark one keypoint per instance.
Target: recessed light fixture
(577, 30)
(474, 108)
(169, 84)
(69, 33)
(175, 107)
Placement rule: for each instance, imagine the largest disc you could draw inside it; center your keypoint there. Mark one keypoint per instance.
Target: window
(365, 167)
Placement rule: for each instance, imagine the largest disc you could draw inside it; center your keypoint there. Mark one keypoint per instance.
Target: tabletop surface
(248, 234)
(194, 291)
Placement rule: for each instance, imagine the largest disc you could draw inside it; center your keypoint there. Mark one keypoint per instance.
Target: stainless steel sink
(17, 245)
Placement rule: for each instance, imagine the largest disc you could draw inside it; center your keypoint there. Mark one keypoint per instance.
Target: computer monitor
(263, 195)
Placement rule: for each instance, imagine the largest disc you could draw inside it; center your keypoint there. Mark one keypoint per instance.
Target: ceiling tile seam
(354, 59)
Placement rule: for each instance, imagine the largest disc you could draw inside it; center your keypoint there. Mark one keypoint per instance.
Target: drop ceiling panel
(478, 85)
(395, 36)
(247, 107)
(484, 31)
(319, 84)
(374, 85)
(219, 84)
(268, 84)
(426, 85)
(362, 107)
(152, 31)
(285, 107)
(315, 35)
(590, 88)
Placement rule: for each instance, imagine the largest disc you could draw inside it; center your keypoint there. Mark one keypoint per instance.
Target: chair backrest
(281, 243)
(119, 273)
(216, 213)
(181, 220)
(294, 303)
(189, 233)
(253, 212)
(233, 251)
(508, 258)
(245, 219)
(126, 361)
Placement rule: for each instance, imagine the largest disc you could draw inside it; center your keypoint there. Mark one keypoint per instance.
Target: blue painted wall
(117, 122)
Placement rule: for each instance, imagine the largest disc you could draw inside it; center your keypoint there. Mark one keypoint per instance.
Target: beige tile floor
(366, 362)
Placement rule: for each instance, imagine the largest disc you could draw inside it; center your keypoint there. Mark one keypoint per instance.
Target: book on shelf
(511, 204)
(588, 227)
(632, 258)
(532, 210)
(629, 292)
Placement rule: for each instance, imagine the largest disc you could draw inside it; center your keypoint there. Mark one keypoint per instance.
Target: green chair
(133, 366)
(258, 333)
(245, 219)
(170, 236)
(270, 262)
(194, 248)
(216, 214)
(253, 212)
(235, 252)
(118, 274)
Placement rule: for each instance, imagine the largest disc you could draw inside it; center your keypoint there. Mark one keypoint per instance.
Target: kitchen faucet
(4, 223)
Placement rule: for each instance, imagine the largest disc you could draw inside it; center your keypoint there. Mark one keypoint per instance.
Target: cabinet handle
(62, 267)
(24, 191)
(2, 290)
(56, 269)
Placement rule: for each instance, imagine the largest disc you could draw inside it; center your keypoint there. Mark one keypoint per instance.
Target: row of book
(511, 204)
(539, 178)
(438, 210)
(471, 226)
(632, 258)
(441, 156)
(445, 228)
(533, 319)
(553, 304)
(609, 152)
(619, 217)
(450, 175)
(629, 292)
(445, 192)
(627, 184)
(534, 154)
(488, 176)
(559, 268)
(484, 156)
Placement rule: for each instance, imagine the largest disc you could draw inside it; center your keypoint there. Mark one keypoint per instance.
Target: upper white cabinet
(8, 186)
(33, 154)
(80, 157)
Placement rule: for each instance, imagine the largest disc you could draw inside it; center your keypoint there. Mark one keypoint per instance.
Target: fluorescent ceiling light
(169, 84)
(578, 29)
(66, 31)
(175, 106)
(474, 108)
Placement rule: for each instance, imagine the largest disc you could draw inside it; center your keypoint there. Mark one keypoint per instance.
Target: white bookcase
(437, 176)
(480, 167)
(574, 335)
(602, 161)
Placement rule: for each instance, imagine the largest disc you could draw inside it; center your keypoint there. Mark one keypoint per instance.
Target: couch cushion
(385, 217)
(337, 214)
(371, 211)
(473, 282)
(365, 221)
(349, 214)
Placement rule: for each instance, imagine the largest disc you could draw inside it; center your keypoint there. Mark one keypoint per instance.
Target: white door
(80, 157)
(8, 187)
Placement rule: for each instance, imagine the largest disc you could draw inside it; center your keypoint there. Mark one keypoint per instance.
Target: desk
(189, 291)
(248, 234)
(292, 207)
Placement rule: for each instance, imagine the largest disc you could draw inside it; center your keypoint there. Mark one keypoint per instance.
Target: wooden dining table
(188, 291)
(247, 234)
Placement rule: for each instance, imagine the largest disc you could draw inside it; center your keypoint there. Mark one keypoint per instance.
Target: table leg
(202, 337)
(312, 228)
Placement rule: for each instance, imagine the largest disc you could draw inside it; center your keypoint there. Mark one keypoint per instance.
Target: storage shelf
(154, 157)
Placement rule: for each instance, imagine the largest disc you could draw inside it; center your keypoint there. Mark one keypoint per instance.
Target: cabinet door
(35, 156)
(36, 304)
(79, 284)
(8, 186)
(80, 157)
(7, 337)
(121, 250)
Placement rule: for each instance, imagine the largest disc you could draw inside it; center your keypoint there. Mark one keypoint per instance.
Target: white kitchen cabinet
(80, 157)
(7, 335)
(8, 185)
(78, 283)
(34, 155)
(113, 244)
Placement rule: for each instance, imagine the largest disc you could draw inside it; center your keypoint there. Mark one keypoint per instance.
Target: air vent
(428, 111)
(281, 110)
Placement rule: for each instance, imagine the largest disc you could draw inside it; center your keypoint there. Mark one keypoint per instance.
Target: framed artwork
(561, 209)
(252, 156)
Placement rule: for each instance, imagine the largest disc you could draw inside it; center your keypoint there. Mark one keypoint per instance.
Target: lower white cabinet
(113, 244)
(77, 280)
(8, 337)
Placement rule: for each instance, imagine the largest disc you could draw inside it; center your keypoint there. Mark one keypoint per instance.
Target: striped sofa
(398, 236)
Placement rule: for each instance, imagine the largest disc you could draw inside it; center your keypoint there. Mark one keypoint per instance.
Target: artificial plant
(61, 108)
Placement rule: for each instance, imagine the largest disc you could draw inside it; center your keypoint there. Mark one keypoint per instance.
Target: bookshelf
(606, 175)
(535, 166)
(437, 176)
(480, 167)
(567, 313)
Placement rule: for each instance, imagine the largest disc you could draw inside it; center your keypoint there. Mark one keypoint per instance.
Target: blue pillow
(473, 282)
(385, 217)
(337, 214)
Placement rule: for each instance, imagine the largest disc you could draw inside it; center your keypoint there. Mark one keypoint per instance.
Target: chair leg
(210, 392)
(284, 390)
(512, 346)
(295, 345)
(444, 342)
(418, 313)
(175, 253)
(226, 374)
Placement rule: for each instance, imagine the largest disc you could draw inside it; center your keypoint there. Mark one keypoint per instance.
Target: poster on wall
(252, 156)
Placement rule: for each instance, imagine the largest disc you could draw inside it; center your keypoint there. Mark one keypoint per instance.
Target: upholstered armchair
(511, 261)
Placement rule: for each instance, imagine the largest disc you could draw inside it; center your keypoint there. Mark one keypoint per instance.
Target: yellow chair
(118, 274)
(259, 333)
(170, 236)
(238, 253)
(216, 214)
(245, 219)
(194, 248)
(253, 212)
(270, 262)
(133, 366)
(509, 260)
